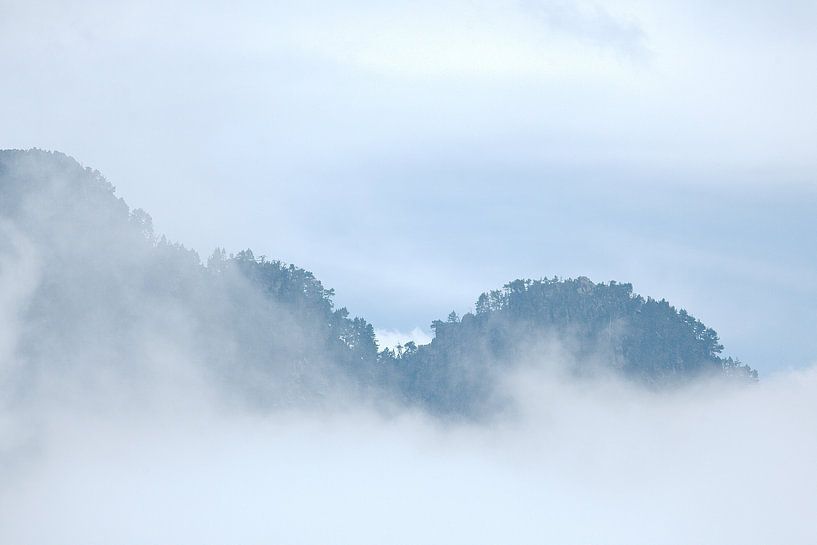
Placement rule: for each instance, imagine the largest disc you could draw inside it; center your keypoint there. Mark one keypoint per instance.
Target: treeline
(574, 325)
(110, 294)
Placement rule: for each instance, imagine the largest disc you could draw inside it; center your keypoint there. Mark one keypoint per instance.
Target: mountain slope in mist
(91, 296)
(589, 327)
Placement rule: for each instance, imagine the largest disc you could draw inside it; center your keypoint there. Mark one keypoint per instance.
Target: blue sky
(415, 154)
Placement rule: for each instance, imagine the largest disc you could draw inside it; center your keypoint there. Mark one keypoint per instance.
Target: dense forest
(98, 292)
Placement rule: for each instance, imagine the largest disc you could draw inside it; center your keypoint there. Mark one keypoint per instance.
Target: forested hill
(591, 327)
(87, 288)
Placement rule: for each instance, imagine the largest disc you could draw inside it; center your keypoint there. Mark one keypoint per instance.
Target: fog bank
(591, 462)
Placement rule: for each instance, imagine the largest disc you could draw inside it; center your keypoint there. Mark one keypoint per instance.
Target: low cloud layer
(574, 464)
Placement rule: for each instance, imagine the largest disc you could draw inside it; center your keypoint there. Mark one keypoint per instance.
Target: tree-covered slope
(573, 323)
(100, 295)
(95, 293)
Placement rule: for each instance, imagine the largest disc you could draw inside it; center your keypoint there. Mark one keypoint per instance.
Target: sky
(415, 154)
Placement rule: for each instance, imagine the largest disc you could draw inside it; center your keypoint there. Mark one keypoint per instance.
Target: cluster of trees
(328, 331)
(575, 324)
(110, 290)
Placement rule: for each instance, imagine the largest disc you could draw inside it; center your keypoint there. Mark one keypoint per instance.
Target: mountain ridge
(108, 283)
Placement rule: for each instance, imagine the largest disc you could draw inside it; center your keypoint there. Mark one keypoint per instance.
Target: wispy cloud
(590, 22)
(390, 338)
